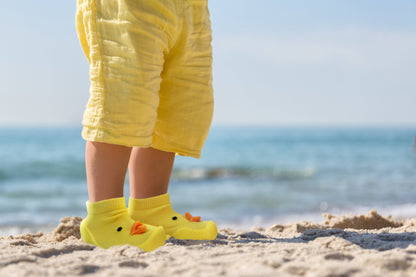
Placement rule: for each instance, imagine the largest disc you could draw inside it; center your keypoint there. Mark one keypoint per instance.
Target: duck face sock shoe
(108, 223)
(158, 211)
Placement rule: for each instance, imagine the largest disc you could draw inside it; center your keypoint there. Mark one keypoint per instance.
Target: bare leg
(106, 166)
(149, 172)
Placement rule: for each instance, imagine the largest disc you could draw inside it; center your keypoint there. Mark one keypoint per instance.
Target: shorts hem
(160, 144)
(101, 135)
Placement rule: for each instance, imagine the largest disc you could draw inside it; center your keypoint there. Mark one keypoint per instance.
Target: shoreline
(352, 245)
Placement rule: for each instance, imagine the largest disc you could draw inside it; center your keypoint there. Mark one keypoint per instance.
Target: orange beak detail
(191, 218)
(137, 228)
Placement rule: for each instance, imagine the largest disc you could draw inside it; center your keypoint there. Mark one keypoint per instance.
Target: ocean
(247, 176)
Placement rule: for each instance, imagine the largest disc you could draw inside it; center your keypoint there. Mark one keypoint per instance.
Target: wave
(75, 170)
(195, 174)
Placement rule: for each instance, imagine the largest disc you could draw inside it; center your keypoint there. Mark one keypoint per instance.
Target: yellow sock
(108, 223)
(158, 211)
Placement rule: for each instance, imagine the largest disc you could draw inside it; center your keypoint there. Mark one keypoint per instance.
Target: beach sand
(360, 245)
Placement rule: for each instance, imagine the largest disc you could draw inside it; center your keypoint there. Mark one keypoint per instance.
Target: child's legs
(130, 104)
(106, 166)
(149, 172)
(125, 45)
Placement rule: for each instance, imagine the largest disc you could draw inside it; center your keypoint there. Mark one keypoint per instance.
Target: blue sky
(275, 62)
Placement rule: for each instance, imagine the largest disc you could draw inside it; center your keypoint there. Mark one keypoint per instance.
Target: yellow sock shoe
(108, 223)
(158, 211)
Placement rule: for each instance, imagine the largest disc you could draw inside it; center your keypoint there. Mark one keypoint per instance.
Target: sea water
(247, 176)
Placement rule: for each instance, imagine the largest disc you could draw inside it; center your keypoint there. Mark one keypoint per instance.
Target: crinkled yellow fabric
(150, 72)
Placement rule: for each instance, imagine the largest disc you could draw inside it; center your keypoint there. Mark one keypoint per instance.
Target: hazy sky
(275, 62)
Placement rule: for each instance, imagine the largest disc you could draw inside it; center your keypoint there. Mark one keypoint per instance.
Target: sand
(363, 245)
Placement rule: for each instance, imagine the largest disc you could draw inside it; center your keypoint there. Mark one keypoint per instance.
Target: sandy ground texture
(364, 245)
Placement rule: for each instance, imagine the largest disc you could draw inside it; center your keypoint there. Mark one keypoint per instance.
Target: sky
(321, 62)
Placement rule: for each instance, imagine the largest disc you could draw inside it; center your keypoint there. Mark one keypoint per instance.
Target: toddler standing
(151, 97)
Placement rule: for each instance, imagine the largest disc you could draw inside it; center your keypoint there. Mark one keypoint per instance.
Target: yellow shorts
(150, 72)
